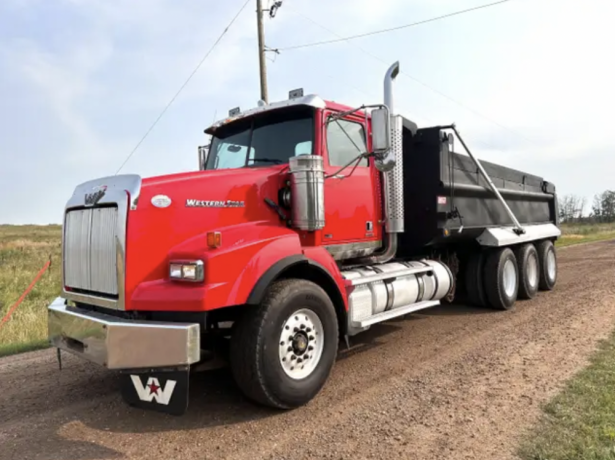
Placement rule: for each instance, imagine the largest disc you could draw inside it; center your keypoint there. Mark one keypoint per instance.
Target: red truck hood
(175, 208)
(211, 198)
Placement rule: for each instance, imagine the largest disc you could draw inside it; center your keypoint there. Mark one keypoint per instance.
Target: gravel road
(451, 382)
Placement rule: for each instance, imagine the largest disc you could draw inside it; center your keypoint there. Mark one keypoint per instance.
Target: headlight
(186, 270)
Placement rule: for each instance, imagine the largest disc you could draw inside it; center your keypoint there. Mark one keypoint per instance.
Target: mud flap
(161, 390)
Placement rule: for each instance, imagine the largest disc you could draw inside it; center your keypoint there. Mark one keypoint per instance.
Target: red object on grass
(23, 296)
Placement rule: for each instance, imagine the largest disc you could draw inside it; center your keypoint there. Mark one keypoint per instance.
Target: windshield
(266, 139)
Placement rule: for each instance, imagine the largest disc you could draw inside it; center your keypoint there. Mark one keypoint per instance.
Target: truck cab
(301, 126)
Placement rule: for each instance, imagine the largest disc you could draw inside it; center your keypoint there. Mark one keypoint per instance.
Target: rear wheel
(474, 279)
(501, 277)
(529, 271)
(282, 351)
(548, 265)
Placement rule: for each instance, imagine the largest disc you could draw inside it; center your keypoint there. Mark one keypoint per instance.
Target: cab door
(352, 209)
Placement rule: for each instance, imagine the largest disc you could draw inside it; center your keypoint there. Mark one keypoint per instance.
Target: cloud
(82, 80)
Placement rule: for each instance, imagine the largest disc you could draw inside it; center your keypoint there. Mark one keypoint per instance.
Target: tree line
(572, 208)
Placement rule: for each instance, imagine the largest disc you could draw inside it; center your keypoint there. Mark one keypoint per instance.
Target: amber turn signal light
(214, 239)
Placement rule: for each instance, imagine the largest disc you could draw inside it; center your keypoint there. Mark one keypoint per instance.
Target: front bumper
(117, 343)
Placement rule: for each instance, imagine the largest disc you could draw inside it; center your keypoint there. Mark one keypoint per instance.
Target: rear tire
(474, 280)
(548, 265)
(529, 271)
(282, 351)
(501, 276)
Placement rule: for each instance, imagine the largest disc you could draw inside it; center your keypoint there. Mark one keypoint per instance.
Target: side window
(345, 141)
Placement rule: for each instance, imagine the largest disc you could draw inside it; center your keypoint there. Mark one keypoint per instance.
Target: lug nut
(293, 357)
(289, 349)
(309, 329)
(311, 337)
(296, 329)
(310, 348)
(299, 360)
(292, 368)
(303, 326)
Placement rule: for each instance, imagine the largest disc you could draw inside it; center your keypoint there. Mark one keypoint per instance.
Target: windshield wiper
(267, 160)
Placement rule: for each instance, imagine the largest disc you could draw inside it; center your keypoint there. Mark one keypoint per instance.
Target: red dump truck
(307, 222)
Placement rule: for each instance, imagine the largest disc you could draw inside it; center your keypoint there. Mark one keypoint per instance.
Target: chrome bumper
(116, 343)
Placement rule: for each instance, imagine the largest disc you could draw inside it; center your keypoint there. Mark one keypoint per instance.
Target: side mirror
(203, 153)
(381, 131)
(381, 140)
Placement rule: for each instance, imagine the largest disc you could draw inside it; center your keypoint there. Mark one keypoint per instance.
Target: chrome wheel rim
(532, 270)
(301, 344)
(510, 278)
(551, 269)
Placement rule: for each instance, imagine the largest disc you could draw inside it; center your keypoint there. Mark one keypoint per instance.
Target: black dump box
(448, 201)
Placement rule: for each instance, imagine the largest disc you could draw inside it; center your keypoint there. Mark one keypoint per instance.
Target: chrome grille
(90, 261)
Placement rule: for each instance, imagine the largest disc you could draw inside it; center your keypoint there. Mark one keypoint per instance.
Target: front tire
(282, 351)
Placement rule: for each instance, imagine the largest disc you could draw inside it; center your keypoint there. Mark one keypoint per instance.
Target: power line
(414, 79)
(391, 29)
(183, 86)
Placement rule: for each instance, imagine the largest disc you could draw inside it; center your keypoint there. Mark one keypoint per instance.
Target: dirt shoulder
(453, 382)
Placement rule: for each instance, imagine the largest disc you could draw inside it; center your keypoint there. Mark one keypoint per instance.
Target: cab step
(400, 311)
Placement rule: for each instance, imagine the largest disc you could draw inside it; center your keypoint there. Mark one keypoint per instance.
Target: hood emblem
(95, 195)
(214, 204)
(161, 201)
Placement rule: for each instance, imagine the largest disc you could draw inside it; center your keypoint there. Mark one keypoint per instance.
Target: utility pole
(261, 51)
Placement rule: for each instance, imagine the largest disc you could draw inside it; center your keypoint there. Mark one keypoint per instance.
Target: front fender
(251, 257)
(247, 252)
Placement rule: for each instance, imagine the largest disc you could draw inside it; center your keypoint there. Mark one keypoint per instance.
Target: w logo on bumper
(161, 391)
(153, 391)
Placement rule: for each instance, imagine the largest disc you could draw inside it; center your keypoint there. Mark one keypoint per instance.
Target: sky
(528, 83)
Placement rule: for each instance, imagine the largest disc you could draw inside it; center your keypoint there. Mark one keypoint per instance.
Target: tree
(596, 213)
(607, 201)
(571, 208)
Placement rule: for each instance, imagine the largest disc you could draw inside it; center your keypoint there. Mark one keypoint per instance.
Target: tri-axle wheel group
(497, 277)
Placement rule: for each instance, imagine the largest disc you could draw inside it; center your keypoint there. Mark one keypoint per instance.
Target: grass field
(25, 249)
(579, 423)
(585, 233)
(23, 252)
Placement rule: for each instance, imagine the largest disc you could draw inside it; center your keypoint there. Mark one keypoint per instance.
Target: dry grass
(585, 233)
(24, 250)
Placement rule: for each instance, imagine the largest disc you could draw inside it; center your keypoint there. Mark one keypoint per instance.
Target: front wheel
(282, 351)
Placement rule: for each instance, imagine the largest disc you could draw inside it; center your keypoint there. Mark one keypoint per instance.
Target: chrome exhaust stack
(391, 167)
(389, 77)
